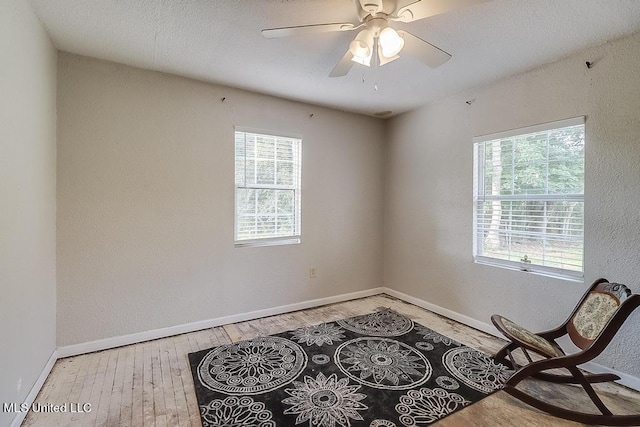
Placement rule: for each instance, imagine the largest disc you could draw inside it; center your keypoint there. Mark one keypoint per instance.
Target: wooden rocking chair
(591, 326)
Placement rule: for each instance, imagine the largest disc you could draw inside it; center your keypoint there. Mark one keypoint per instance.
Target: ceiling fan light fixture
(359, 49)
(383, 60)
(391, 43)
(362, 47)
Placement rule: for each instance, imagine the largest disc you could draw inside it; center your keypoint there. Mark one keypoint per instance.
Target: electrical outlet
(313, 272)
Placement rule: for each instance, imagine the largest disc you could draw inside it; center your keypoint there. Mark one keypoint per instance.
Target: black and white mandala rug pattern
(476, 369)
(376, 370)
(426, 406)
(383, 323)
(252, 367)
(236, 411)
(382, 363)
(428, 334)
(325, 401)
(324, 333)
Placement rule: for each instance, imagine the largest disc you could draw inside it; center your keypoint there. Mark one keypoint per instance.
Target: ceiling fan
(377, 40)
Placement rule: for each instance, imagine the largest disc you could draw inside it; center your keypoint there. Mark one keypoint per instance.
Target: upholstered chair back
(594, 311)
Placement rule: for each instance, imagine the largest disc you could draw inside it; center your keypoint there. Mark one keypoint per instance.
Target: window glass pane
(285, 173)
(240, 159)
(266, 224)
(265, 172)
(530, 164)
(285, 225)
(285, 202)
(272, 206)
(566, 161)
(265, 146)
(266, 201)
(250, 171)
(245, 201)
(250, 146)
(548, 233)
(285, 150)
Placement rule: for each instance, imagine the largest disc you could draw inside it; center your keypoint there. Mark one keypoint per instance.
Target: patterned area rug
(375, 370)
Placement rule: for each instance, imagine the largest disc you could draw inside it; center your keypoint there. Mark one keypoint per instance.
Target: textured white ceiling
(219, 41)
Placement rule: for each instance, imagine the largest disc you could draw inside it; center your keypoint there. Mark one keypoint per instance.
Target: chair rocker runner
(591, 326)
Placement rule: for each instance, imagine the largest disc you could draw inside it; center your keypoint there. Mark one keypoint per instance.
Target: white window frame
(479, 197)
(295, 237)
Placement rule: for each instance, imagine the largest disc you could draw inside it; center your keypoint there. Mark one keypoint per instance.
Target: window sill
(267, 242)
(555, 273)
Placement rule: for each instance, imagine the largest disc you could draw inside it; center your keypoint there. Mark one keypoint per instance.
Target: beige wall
(146, 194)
(428, 216)
(27, 201)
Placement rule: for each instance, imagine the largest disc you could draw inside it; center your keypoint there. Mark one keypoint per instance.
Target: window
(529, 199)
(268, 169)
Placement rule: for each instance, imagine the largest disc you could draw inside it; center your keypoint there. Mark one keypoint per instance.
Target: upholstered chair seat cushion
(516, 331)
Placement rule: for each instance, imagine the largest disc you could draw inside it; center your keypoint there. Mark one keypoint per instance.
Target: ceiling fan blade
(423, 50)
(343, 67)
(273, 33)
(420, 9)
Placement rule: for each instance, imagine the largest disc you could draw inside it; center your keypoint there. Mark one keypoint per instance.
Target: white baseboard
(31, 397)
(106, 343)
(453, 315)
(625, 379)
(103, 344)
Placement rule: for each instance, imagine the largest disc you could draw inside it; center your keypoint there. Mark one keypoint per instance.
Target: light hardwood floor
(150, 384)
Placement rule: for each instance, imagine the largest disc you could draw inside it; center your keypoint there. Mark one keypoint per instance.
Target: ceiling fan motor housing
(371, 6)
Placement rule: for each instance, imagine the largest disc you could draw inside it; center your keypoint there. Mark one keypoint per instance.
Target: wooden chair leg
(502, 355)
(590, 391)
(529, 370)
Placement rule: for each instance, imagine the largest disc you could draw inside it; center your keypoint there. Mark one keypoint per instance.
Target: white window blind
(529, 198)
(268, 184)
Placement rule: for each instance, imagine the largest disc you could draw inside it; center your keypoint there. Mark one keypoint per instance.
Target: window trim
(574, 121)
(269, 241)
(554, 272)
